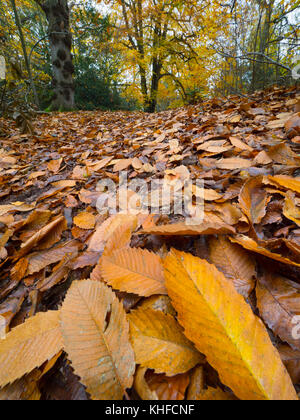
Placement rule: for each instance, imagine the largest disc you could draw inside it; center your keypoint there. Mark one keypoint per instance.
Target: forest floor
(52, 233)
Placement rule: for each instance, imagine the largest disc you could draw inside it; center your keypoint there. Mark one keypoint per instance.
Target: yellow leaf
(286, 182)
(134, 271)
(223, 327)
(159, 343)
(290, 209)
(29, 345)
(96, 338)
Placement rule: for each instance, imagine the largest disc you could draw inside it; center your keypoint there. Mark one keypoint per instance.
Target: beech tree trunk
(60, 38)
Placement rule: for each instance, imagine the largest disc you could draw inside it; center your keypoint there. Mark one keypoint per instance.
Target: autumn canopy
(149, 200)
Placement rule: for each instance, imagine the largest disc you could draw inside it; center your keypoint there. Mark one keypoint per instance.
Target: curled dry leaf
(254, 199)
(292, 126)
(234, 163)
(278, 300)
(45, 237)
(235, 263)
(39, 260)
(159, 343)
(183, 229)
(166, 388)
(135, 271)
(198, 392)
(141, 386)
(286, 182)
(54, 165)
(201, 295)
(96, 338)
(29, 345)
(253, 246)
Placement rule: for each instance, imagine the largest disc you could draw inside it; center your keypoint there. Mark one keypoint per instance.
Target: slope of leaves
(56, 231)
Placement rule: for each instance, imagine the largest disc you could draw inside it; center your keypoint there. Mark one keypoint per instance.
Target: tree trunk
(58, 16)
(144, 88)
(156, 75)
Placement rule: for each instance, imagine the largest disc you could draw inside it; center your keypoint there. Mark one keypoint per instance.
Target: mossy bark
(60, 38)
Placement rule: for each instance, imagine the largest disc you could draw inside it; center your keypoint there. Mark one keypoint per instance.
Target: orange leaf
(286, 182)
(134, 271)
(54, 165)
(290, 209)
(182, 229)
(85, 220)
(108, 228)
(96, 338)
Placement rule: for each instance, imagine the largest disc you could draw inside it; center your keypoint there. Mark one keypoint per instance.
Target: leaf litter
(97, 305)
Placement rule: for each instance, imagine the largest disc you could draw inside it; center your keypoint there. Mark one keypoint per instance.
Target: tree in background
(164, 39)
(98, 65)
(261, 44)
(60, 38)
(144, 54)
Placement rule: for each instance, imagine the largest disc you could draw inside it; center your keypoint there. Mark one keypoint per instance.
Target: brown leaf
(46, 237)
(253, 200)
(235, 263)
(54, 165)
(278, 300)
(168, 389)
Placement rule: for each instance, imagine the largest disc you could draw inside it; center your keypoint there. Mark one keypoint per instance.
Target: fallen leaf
(200, 294)
(85, 220)
(29, 345)
(134, 271)
(96, 338)
(237, 265)
(159, 343)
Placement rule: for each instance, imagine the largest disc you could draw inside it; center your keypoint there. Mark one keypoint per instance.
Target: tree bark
(60, 38)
